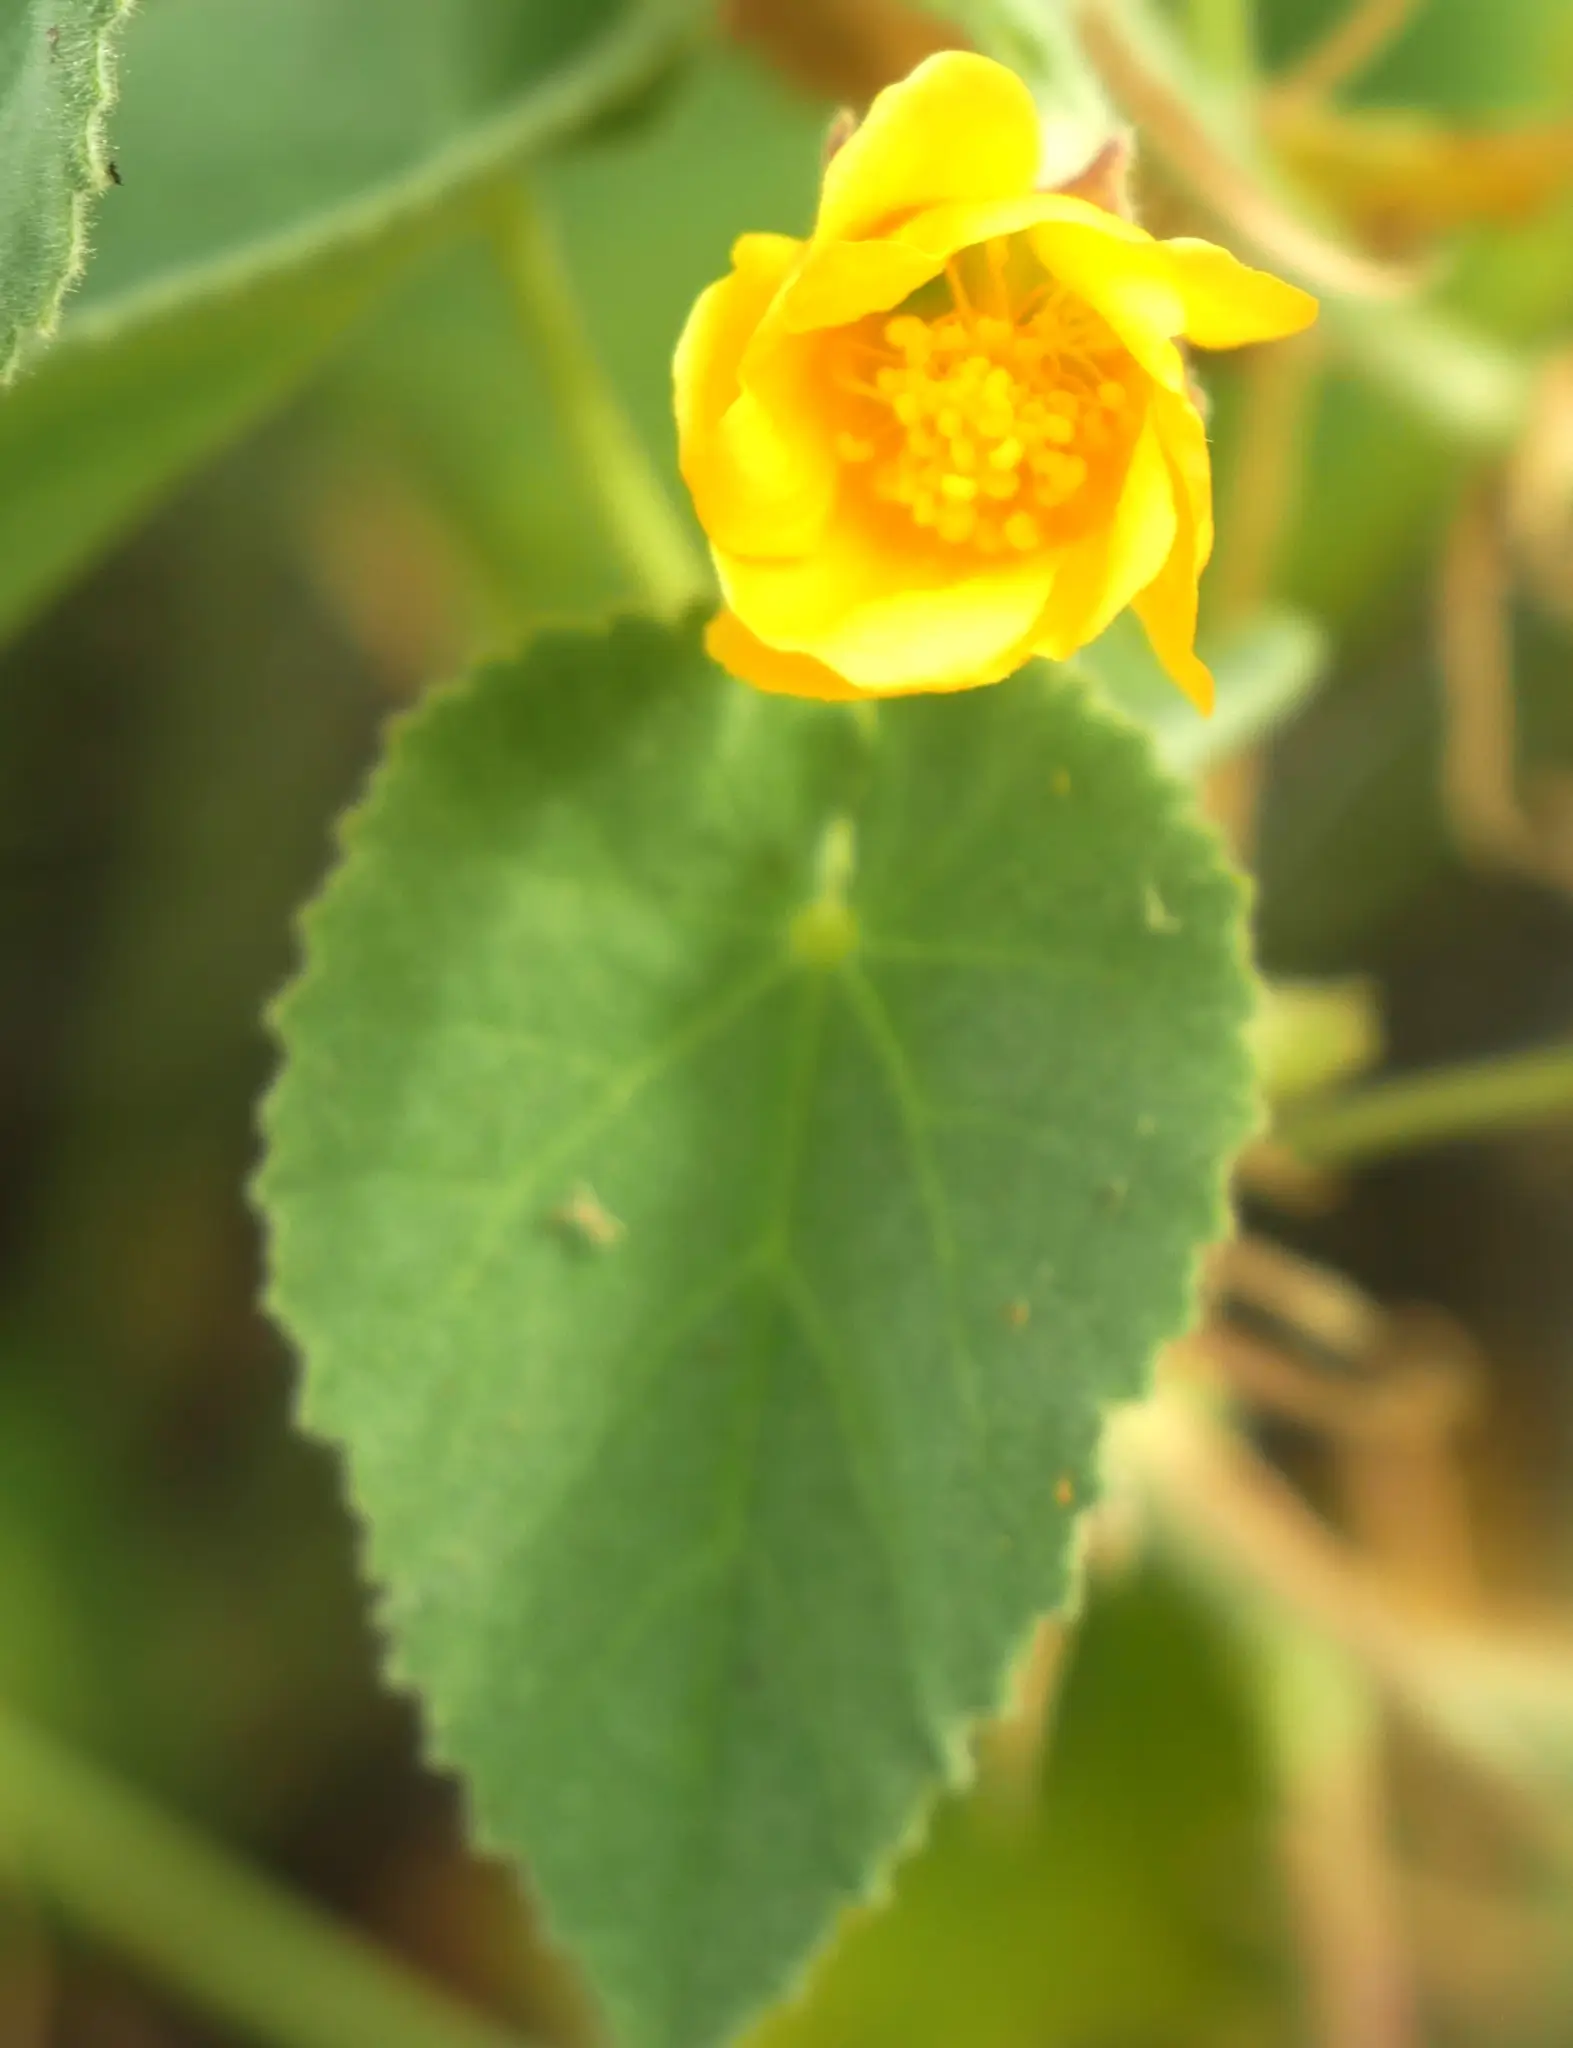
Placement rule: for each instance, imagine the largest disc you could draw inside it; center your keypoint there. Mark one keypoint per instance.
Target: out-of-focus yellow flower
(953, 428)
(1400, 178)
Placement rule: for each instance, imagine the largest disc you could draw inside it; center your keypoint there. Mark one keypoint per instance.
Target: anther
(1021, 530)
(908, 333)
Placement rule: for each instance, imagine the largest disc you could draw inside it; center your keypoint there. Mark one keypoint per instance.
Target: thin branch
(1480, 1099)
(238, 1948)
(1475, 654)
(1356, 43)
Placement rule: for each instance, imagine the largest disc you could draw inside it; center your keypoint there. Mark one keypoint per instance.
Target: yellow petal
(731, 646)
(1184, 437)
(1229, 305)
(959, 127)
(1167, 607)
(881, 611)
(1099, 576)
(758, 461)
(742, 654)
(1125, 278)
(720, 327)
(839, 282)
(957, 634)
(956, 223)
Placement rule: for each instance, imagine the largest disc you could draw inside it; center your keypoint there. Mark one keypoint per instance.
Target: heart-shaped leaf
(730, 1152)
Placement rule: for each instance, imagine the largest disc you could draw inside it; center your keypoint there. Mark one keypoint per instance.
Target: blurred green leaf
(121, 408)
(729, 1154)
(264, 208)
(57, 78)
(282, 129)
(1263, 670)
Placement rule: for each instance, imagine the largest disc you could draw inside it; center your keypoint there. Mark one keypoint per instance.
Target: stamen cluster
(990, 426)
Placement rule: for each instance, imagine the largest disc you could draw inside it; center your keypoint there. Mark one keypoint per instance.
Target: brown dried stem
(1480, 774)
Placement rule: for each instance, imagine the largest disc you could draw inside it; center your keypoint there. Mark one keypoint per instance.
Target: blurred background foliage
(271, 481)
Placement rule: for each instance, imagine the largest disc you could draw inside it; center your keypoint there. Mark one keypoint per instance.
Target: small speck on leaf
(1018, 1313)
(1114, 1194)
(583, 1219)
(1065, 1490)
(1061, 782)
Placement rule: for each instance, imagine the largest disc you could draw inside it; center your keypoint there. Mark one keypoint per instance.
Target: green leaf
(119, 410)
(1264, 670)
(258, 221)
(57, 83)
(730, 1152)
(268, 132)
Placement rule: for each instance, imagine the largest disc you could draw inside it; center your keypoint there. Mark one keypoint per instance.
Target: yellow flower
(953, 428)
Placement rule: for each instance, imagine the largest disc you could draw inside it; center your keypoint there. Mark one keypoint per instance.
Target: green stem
(1433, 1109)
(226, 1939)
(640, 519)
(1223, 38)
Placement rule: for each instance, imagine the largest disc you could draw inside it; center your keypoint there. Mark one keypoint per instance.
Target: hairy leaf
(57, 82)
(730, 1152)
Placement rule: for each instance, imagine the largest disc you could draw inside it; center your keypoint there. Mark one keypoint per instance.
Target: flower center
(981, 427)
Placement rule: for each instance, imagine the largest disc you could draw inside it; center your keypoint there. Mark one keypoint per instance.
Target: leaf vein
(890, 1056)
